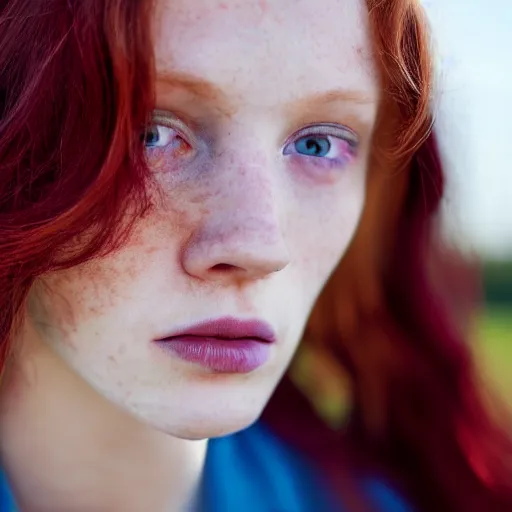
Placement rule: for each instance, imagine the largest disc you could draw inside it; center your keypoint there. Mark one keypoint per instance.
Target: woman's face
(259, 151)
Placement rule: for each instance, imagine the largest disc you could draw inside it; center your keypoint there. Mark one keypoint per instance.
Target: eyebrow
(338, 95)
(207, 90)
(193, 84)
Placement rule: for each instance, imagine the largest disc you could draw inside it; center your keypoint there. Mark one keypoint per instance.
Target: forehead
(267, 51)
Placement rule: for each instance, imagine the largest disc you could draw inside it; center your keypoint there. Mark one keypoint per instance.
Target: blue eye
(312, 146)
(323, 144)
(151, 136)
(157, 135)
(166, 132)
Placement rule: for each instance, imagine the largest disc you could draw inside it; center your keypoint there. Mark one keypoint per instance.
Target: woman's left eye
(313, 146)
(329, 143)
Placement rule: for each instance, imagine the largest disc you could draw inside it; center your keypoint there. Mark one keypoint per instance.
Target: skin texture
(241, 226)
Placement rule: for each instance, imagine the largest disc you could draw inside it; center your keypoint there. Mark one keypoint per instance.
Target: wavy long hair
(71, 110)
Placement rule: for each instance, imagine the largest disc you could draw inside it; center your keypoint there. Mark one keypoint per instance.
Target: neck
(64, 447)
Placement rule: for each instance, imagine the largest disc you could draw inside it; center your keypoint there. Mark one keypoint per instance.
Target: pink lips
(226, 345)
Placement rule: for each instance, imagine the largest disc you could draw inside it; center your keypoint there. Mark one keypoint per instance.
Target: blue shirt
(254, 471)
(6, 498)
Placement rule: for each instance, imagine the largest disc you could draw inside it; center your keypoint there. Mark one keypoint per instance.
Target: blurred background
(474, 118)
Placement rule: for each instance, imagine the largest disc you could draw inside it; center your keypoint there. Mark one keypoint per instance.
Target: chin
(209, 424)
(203, 409)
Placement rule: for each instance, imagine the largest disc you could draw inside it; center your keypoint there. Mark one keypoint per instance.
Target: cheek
(94, 290)
(326, 225)
(91, 293)
(65, 300)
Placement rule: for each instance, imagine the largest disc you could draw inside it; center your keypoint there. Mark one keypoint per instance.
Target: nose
(240, 239)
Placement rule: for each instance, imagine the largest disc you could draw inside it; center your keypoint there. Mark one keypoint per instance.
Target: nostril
(227, 268)
(224, 267)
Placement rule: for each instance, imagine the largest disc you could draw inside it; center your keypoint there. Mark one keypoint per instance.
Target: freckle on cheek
(151, 250)
(199, 198)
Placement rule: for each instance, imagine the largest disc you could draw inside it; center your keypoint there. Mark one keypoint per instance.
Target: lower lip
(222, 355)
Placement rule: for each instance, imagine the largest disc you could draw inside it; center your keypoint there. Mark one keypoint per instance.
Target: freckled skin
(238, 230)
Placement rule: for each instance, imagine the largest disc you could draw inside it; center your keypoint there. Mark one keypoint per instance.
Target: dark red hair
(76, 85)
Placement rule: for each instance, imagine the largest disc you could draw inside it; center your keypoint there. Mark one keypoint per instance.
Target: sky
(473, 40)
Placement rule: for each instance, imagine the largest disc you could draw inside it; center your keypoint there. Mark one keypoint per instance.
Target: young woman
(187, 190)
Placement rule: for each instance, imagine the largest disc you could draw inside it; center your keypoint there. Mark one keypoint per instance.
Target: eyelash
(342, 139)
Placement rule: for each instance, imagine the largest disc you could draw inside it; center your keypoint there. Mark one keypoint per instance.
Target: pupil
(313, 146)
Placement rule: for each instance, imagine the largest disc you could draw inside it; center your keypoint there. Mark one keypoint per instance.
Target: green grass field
(494, 345)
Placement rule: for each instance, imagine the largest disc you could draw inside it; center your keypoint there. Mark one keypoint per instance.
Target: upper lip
(227, 328)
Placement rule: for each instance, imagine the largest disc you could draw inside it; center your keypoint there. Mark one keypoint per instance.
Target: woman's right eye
(157, 136)
(165, 138)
